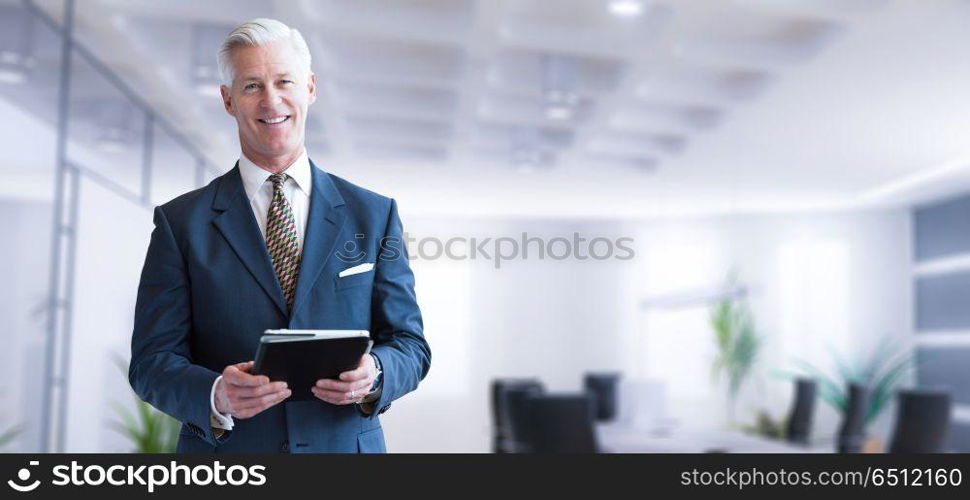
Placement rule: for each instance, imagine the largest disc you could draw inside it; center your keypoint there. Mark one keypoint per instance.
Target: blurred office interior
(793, 179)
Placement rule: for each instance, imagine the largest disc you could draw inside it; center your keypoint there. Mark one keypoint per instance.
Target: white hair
(259, 32)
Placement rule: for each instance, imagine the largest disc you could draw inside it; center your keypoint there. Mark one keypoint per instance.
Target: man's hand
(243, 395)
(352, 386)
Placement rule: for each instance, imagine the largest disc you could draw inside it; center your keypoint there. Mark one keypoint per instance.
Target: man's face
(269, 98)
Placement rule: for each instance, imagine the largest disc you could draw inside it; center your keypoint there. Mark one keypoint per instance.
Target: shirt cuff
(216, 419)
(368, 402)
(372, 396)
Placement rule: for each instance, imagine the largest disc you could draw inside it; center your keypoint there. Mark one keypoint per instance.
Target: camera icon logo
(23, 475)
(351, 252)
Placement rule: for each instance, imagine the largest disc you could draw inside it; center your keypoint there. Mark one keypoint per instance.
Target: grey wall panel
(945, 368)
(942, 229)
(943, 302)
(960, 438)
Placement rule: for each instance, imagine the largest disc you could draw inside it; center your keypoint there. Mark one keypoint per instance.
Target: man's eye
(251, 86)
(286, 82)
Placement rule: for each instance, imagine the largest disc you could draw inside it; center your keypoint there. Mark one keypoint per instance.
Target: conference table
(626, 438)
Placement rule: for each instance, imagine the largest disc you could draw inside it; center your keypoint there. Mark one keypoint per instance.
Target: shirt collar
(253, 176)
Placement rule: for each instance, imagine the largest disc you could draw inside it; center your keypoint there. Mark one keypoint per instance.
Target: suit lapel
(324, 222)
(238, 225)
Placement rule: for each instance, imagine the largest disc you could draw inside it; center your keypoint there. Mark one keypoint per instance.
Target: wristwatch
(380, 373)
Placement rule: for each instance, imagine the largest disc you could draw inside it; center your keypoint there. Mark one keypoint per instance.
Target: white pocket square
(363, 268)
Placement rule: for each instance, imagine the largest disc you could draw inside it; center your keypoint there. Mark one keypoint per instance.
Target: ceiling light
(205, 71)
(209, 89)
(12, 76)
(559, 77)
(9, 57)
(559, 112)
(626, 8)
(560, 104)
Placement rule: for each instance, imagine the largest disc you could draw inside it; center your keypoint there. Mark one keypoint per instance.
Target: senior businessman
(274, 243)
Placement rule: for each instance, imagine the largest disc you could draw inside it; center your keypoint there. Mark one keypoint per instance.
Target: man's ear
(227, 100)
(312, 87)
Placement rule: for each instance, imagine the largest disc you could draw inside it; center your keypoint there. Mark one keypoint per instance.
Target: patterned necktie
(282, 241)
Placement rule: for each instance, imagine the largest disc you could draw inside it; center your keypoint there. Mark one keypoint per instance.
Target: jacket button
(285, 447)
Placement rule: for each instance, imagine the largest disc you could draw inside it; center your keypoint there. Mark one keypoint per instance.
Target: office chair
(506, 394)
(799, 426)
(560, 424)
(922, 422)
(603, 387)
(852, 432)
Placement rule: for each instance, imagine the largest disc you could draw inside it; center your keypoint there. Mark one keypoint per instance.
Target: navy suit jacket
(208, 290)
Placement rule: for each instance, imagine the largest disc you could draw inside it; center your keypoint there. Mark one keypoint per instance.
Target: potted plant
(148, 430)
(737, 344)
(882, 372)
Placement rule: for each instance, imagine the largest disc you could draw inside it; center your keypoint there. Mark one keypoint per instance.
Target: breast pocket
(354, 280)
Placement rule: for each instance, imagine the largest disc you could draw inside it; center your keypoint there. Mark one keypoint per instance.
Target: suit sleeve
(396, 324)
(161, 370)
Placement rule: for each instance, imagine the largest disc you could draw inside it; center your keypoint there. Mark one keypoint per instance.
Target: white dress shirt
(259, 190)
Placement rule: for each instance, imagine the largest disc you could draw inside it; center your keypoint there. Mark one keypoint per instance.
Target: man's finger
(363, 387)
(243, 367)
(360, 390)
(323, 395)
(243, 392)
(235, 376)
(326, 395)
(355, 374)
(334, 385)
(255, 410)
(337, 398)
(265, 401)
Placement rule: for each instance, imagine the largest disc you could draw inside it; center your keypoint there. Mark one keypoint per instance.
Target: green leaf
(883, 391)
(846, 371)
(9, 435)
(736, 341)
(881, 372)
(148, 430)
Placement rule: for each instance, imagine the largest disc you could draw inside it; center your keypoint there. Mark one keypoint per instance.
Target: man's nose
(271, 97)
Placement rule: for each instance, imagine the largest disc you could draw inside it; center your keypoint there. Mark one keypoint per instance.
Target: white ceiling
(694, 106)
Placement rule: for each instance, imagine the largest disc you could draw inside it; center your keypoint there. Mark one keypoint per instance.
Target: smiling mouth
(275, 120)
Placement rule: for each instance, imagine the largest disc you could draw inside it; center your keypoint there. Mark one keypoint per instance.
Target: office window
(815, 304)
(678, 345)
